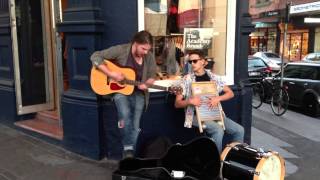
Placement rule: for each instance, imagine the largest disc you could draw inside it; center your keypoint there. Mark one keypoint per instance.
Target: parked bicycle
(268, 90)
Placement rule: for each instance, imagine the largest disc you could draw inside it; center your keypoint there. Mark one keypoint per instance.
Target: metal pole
(282, 55)
(286, 20)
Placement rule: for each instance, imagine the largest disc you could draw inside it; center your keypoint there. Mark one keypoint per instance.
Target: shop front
(263, 40)
(45, 66)
(302, 34)
(296, 44)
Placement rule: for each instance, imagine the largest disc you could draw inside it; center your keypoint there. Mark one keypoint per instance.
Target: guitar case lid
(198, 159)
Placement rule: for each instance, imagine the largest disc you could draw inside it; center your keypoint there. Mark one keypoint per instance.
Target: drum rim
(263, 159)
(227, 149)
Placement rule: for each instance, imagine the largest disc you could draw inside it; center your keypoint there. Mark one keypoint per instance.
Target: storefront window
(304, 45)
(317, 40)
(263, 39)
(271, 44)
(172, 22)
(296, 45)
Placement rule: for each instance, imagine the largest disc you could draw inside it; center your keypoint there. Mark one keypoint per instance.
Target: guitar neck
(137, 83)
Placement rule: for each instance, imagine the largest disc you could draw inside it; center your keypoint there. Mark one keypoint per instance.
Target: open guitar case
(198, 159)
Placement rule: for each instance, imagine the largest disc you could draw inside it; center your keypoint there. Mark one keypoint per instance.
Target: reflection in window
(308, 72)
(292, 72)
(256, 63)
(167, 21)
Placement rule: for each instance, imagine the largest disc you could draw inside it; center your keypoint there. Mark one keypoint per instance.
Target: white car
(273, 60)
(312, 57)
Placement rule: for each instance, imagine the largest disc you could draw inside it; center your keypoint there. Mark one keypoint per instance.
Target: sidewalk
(23, 157)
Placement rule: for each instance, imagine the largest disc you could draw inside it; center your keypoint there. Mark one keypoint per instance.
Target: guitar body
(198, 159)
(103, 85)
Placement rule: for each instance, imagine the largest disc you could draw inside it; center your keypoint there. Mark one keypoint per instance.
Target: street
(295, 136)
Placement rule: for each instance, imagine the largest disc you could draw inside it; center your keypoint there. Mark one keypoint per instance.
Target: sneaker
(128, 154)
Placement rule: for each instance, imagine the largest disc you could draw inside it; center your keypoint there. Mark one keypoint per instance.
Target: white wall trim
(230, 47)
(140, 15)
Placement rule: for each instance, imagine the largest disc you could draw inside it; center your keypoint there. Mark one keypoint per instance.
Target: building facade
(269, 19)
(45, 68)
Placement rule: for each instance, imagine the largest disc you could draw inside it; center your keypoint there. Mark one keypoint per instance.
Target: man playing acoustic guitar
(186, 100)
(136, 55)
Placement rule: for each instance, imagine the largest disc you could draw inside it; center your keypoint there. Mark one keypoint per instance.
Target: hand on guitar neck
(146, 85)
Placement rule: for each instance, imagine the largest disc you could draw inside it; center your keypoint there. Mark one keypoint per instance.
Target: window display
(263, 40)
(167, 21)
(296, 45)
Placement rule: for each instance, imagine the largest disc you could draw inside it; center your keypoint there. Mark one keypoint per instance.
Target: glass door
(32, 54)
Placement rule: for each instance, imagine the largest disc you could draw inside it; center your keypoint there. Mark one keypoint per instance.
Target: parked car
(273, 60)
(303, 84)
(257, 68)
(312, 57)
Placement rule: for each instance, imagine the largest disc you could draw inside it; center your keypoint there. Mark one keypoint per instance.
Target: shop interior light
(312, 20)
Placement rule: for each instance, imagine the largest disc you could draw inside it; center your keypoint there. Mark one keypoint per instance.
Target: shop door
(32, 54)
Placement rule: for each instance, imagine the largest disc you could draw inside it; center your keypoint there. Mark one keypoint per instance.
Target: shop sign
(198, 38)
(269, 14)
(301, 8)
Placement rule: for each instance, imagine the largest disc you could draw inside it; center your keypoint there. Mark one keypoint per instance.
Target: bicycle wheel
(279, 101)
(257, 95)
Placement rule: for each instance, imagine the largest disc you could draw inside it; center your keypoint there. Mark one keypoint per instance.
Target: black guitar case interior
(198, 159)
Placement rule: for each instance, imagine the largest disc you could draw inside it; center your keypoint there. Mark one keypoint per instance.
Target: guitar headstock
(175, 90)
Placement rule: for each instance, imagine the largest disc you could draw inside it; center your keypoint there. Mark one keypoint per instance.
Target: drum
(240, 161)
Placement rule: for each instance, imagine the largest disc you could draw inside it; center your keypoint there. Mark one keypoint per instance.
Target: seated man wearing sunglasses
(215, 131)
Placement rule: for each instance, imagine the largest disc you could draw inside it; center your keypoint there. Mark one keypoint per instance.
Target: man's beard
(138, 55)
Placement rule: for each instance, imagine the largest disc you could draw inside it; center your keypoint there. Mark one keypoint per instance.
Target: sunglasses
(194, 61)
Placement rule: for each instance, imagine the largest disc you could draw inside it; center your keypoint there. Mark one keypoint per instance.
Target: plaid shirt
(186, 82)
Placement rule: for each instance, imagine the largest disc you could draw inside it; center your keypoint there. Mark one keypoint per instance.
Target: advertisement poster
(197, 38)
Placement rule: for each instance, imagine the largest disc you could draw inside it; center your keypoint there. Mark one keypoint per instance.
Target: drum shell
(242, 161)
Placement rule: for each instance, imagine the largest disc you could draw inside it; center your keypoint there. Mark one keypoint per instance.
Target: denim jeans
(129, 113)
(233, 132)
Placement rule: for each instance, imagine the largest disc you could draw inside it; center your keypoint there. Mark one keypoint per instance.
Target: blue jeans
(129, 113)
(233, 132)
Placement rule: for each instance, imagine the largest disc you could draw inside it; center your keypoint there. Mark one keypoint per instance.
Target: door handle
(292, 83)
(305, 84)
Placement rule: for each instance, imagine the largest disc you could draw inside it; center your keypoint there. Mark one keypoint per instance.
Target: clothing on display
(189, 14)
(156, 13)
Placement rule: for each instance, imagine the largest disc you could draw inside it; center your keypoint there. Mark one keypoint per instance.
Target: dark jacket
(120, 54)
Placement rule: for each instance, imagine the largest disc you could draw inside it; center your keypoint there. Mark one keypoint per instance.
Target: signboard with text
(302, 8)
(197, 38)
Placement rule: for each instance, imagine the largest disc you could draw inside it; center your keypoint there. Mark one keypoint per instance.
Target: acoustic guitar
(197, 160)
(104, 85)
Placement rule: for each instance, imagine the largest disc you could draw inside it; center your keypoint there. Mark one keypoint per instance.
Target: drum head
(271, 167)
